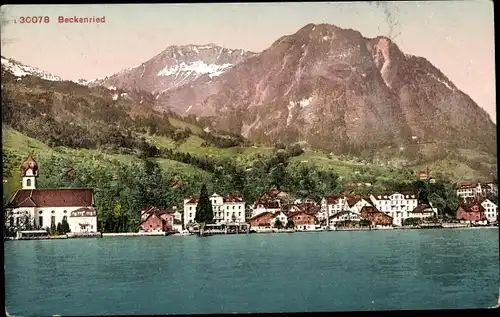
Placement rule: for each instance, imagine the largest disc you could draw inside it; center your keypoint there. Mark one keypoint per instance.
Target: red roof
(470, 207)
(266, 213)
(57, 197)
(422, 208)
(330, 200)
(235, 198)
(370, 209)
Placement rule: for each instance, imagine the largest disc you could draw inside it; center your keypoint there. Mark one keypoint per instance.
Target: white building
(331, 205)
(227, 209)
(471, 190)
(282, 218)
(397, 205)
(44, 207)
(490, 210)
(345, 215)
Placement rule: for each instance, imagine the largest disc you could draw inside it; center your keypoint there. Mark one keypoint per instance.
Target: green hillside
(133, 156)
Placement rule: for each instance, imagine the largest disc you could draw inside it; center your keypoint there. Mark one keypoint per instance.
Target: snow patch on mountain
(19, 70)
(198, 67)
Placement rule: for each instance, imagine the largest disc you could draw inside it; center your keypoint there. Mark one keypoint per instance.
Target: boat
(183, 233)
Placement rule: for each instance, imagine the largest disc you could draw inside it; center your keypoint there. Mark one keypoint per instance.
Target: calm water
(322, 271)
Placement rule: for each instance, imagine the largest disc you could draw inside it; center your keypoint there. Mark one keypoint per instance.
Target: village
(39, 212)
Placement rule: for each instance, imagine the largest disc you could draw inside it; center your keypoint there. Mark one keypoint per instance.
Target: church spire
(29, 172)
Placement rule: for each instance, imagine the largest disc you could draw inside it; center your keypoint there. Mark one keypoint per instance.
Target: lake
(286, 272)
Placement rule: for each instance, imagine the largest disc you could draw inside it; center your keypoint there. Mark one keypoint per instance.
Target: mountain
(174, 67)
(19, 70)
(333, 89)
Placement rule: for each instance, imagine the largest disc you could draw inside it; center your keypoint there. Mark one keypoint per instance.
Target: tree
(290, 224)
(365, 223)
(278, 224)
(204, 213)
(52, 229)
(65, 226)
(59, 230)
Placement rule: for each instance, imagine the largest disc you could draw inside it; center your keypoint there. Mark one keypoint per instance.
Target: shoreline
(268, 231)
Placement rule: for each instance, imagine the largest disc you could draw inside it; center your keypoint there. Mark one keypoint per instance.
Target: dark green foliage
(204, 213)
(290, 224)
(59, 230)
(65, 227)
(412, 221)
(53, 229)
(365, 223)
(278, 224)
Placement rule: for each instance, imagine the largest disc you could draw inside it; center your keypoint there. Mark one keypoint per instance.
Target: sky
(455, 36)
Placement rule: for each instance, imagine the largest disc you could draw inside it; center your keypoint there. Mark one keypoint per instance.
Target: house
(471, 213)
(423, 174)
(262, 221)
(356, 203)
(47, 207)
(377, 217)
(303, 221)
(331, 205)
(175, 213)
(342, 216)
(299, 201)
(309, 208)
(397, 205)
(177, 226)
(422, 211)
(271, 201)
(468, 190)
(493, 187)
(490, 210)
(279, 216)
(156, 220)
(226, 209)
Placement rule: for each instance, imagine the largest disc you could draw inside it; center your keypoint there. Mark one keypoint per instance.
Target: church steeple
(29, 173)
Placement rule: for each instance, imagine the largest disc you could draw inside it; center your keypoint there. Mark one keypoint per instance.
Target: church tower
(29, 173)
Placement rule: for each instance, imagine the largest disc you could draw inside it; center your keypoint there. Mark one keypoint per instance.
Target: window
(28, 182)
(239, 207)
(151, 226)
(239, 214)
(190, 215)
(53, 212)
(40, 212)
(190, 208)
(40, 221)
(65, 212)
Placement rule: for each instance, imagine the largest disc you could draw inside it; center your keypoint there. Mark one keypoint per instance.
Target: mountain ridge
(327, 88)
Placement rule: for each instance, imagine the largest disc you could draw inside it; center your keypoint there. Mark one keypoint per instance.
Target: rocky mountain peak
(176, 66)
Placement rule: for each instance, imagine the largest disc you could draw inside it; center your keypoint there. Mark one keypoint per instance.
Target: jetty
(352, 229)
(430, 225)
(454, 225)
(133, 234)
(230, 228)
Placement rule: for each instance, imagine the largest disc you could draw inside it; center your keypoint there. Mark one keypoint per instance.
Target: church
(49, 206)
